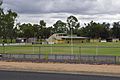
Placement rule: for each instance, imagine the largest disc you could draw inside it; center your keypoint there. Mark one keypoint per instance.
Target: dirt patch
(59, 67)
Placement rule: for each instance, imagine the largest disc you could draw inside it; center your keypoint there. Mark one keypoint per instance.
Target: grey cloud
(64, 6)
(51, 6)
(51, 18)
(53, 10)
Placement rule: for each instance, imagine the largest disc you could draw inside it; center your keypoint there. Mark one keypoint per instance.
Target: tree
(42, 28)
(1, 19)
(116, 30)
(60, 27)
(105, 31)
(7, 21)
(36, 30)
(96, 30)
(0, 8)
(42, 24)
(92, 30)
(15, 32)
(46, 32)
(73, 24)
(10, 21)
(26, 30)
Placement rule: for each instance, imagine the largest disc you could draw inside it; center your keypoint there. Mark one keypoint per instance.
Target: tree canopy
(60, 27)
(8, 29)
(7, 21)
(73, 24)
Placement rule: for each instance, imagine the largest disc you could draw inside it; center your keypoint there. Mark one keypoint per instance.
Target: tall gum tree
(73, 24)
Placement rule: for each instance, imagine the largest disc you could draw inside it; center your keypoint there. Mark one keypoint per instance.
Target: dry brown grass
(60, 67)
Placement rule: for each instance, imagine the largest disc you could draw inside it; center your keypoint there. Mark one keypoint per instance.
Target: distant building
(31, 40)
(110, 40)
(25, 40)
(21, 40)
(64, 38)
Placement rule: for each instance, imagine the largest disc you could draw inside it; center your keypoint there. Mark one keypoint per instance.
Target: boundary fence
(81, 50)
(61, 54)
(62, 58)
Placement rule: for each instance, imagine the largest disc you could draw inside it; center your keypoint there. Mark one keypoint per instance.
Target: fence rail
(62, 58)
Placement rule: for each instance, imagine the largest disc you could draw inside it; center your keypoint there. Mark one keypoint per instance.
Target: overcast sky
(52, 10)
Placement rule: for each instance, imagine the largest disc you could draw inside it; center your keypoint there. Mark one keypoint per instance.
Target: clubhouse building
(60, 38)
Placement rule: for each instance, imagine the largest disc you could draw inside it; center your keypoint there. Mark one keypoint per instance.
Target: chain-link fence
(62, 58)
(66, 54)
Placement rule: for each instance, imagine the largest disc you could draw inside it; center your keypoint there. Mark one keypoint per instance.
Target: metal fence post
(116, 59)
(39, 56)
(96, 50)
(24, 56)
(33, 50)
(3, 48)
(55, 56)
(39, 49)
(80, 50)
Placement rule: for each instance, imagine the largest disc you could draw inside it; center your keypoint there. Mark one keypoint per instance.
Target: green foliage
(116, 30)
(60, 27)
(26, 30)
(73, 24)
(96, 30)
(7, 21)
(42, 29)
(42, 24)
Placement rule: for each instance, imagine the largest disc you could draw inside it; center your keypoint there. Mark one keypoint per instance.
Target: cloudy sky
(53, 10)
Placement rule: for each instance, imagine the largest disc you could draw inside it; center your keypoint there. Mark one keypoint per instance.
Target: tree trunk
(11, 40)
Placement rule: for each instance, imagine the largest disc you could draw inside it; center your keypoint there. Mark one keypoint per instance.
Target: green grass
(83, 48)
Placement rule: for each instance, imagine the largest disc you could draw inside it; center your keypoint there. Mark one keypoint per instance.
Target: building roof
(60, 33)
(73, 37)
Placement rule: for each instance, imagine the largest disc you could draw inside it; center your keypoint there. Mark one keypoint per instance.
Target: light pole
(71, 32)
(33, 42)
(96, 49)
(3, 44)
(51, 48)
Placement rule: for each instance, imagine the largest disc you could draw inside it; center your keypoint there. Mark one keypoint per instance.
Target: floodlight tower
(71, 34)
